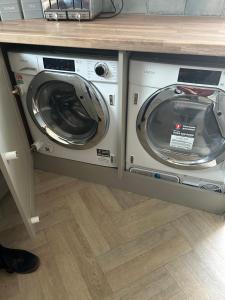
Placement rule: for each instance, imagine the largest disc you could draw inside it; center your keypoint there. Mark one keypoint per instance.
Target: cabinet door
(18, 173)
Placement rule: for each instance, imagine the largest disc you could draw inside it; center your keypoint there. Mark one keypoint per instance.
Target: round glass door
(69, 109)
(183, 127)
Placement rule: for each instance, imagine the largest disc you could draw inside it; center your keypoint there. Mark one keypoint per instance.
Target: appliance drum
(178, 126)
(68, 109)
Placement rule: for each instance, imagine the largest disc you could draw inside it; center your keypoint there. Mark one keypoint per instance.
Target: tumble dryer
(71, 104)
(176, 123)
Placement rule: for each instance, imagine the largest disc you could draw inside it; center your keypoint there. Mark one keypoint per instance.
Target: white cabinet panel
(18, 173)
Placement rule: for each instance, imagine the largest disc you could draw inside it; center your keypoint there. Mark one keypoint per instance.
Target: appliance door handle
(219, 112)
(85, 96)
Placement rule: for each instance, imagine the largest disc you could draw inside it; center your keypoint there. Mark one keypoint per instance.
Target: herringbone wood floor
(97, 243)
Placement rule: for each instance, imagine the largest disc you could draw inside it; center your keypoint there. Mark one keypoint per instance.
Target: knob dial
(55, 16)
(101, 69)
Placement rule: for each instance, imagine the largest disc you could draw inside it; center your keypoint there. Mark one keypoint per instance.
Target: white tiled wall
(204, 7)
(172, 7)
(132, 6)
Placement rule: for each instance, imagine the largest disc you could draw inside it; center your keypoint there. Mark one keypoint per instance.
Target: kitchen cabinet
(113, 35)
(16, 163)
(3, 187)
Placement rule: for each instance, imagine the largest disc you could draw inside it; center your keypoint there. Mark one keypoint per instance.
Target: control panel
(59, 64)
(90, 69)
(199, 76)
(155, 74)
(79, 15)
(55, 15)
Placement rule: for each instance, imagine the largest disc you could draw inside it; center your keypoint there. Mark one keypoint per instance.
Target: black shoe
(18, 261)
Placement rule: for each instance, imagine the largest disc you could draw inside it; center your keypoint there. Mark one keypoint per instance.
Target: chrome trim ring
(95, 106)
(148, 107)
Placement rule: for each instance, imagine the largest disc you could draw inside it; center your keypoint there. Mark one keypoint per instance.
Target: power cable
(115, 11)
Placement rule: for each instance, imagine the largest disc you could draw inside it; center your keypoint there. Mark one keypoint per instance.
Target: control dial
(101, 69)
(55, 16)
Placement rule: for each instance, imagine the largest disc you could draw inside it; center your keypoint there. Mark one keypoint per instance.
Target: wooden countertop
(183, 35)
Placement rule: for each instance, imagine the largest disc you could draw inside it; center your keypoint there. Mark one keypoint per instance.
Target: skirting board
(143, 185)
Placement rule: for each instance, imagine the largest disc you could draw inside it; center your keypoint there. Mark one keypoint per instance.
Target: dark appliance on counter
(72, 9)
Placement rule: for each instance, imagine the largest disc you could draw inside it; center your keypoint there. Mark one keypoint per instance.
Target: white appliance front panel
(142, 158)
(86, 68)
(27, 65)
(32, 64)
(160, 75)
(109, 142)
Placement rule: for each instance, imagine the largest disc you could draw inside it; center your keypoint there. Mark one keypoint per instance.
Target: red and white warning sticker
(19, 79)
(183, 137)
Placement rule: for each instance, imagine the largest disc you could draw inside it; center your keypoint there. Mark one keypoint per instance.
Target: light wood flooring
(98, 243)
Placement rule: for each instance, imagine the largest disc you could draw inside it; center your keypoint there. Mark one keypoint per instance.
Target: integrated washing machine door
(184, 126)
(68, 109)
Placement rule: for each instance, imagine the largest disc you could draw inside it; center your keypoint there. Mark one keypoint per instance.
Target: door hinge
(131, 159)
(36, 146)
(16, 90)
(35, 220)
(11, 155)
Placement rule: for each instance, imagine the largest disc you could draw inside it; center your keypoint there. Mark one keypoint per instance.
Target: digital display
(197, 76)
(59, 64)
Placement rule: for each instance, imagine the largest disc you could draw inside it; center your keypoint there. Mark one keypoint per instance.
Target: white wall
(172, 7)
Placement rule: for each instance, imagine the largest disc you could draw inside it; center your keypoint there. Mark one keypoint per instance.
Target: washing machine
(176, 122)
(71, 104)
